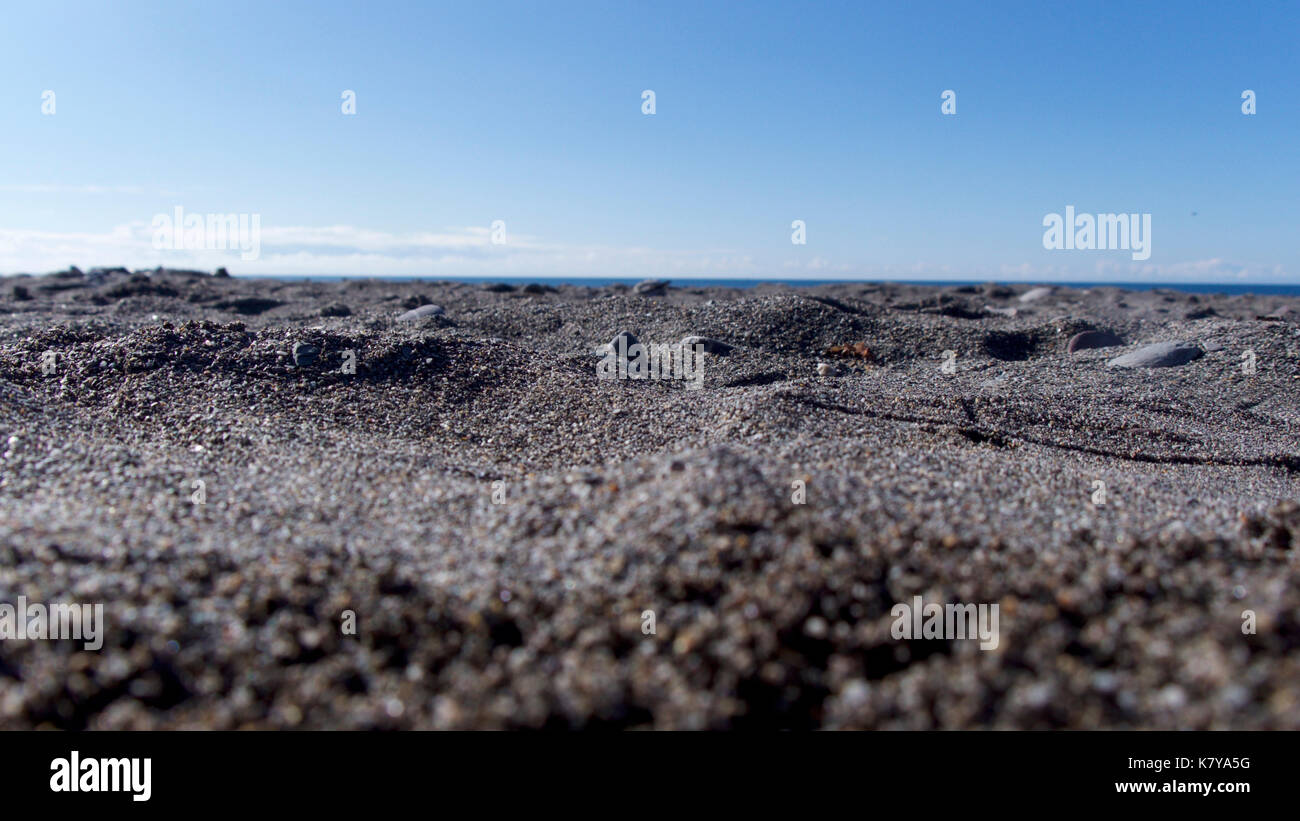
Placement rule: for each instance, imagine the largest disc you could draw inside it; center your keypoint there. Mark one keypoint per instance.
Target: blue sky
(766, 113)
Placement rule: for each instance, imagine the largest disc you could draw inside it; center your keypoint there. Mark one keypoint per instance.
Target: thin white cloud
(1202, 270)
(342, 249)
(46, 188)
(468, 251)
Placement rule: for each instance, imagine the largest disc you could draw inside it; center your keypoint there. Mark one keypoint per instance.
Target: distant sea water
(1275, 288)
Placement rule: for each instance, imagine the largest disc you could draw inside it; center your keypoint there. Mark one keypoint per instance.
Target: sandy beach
(233, 466)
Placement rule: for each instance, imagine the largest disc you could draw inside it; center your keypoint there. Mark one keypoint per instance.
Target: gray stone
(304, 354)
(712, 346)
(1159, 355)
(651, 287)
(617, 347)
(421, 312)
(1035, 294)
(1093, 339)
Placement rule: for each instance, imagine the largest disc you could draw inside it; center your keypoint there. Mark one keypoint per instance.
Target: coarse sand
(451, 521)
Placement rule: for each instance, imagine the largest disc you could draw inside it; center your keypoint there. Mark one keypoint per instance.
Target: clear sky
(765, 113)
